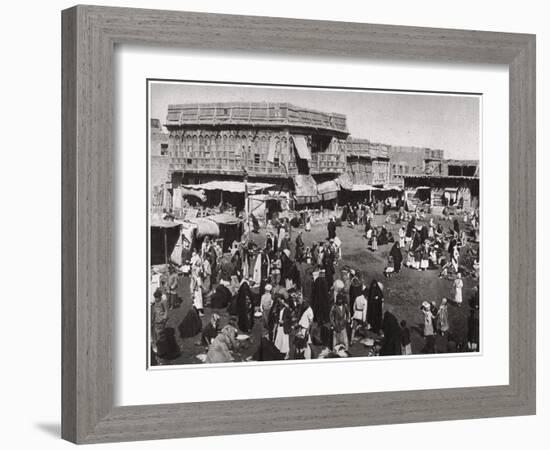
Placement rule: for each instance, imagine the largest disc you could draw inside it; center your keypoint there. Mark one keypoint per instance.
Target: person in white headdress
(266, 303)
(458, 284)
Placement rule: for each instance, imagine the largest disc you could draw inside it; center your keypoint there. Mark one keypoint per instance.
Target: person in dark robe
(473, 330)
(267, 351)
(355, 290)
(374, 306)
(368, 226)
(473, 301)
(331, 228)
(245, 308)
(391, 344)
(345, 212)
(294, 275)
(286, 267)
(417, 241)
(221, 297)
(424, 234)
(191, 324)
(352, 216)
(273, 317)
(237, 263)
(211, 330)
(269, 246)
(264, 270)
(397, 257)
(306, 281)
(214, 269)
(283, 243)
(296, 222)
(299, 252)
(320, 302)
(383, 236)
(410, 228)
(456, 226)
(328, 264)
(167, 347)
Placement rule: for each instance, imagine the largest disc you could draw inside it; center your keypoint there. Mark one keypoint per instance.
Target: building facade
(367, 163)
(306, 153)
(160, 159)
(269, 142)
(442, 190)
(414, 161)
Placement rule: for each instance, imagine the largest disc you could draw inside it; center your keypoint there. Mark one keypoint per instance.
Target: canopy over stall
(164, 237)
(230, 228)
(306, 189)
(230, 186)
(328, 190)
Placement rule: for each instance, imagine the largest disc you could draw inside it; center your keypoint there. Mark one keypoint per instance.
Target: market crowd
(307, 303)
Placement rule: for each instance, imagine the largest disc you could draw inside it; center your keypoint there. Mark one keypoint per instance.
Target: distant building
(367, 162)
(442, 190)
(160, 158)
(414, 161)
(461, 167)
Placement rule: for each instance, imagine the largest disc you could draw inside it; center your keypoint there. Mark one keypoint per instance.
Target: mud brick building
(414, 161)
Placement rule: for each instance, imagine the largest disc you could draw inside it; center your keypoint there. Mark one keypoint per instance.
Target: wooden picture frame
(90, 34)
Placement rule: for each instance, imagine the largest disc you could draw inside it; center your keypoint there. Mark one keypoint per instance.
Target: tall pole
(165, 249)
(246, 205)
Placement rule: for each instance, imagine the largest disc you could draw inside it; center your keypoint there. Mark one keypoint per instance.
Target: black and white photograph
(292, 223)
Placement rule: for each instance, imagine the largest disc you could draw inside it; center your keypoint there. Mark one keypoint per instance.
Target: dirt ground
(404, 291)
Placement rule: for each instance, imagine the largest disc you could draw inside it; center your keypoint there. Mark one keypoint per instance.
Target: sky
(438, 121)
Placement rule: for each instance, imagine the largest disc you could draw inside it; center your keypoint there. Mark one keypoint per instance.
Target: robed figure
(397, 257)
(391, 344)
(320, 302)
(245, 308)
(374, 306)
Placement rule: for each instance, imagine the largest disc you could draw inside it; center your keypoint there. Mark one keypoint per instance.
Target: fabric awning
(272, 150)
(327, 187)
(229, 186)
(306, 189)
(161, 223)
(301, 147)
(224, 219)
(345, 181)
(363, 187)
(328, 190)
(205, 227)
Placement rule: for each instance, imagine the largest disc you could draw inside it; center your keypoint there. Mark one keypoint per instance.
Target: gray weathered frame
(89, 36)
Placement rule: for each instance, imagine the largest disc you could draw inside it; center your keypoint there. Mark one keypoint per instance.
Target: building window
(276, 161)
(189, 161)
(256, 158)
(163, 149)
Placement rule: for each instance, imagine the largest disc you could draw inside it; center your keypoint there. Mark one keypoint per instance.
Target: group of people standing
(300, 295)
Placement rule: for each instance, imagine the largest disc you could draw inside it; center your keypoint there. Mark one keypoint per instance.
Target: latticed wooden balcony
(256, 164)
